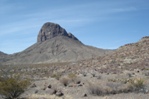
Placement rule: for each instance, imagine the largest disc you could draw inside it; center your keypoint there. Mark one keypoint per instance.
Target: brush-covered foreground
(72, 81)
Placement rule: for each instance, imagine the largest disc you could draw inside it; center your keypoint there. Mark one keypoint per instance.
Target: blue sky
(101, 23)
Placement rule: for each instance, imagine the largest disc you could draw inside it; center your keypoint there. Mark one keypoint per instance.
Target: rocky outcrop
(50, 30)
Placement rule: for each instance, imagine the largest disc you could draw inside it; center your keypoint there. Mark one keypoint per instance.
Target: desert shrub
(114, 85)
(95, 89)
(136, 83)
(68, 79)
(133, 85)
(56, 76)
(124, 89)
(72, 75)
(65, 81)
(12, 87)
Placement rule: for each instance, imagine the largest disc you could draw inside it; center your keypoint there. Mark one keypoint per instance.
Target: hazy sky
(100, 23)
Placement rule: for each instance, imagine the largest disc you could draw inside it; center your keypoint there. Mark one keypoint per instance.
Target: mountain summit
(54, 44)
(50, 30)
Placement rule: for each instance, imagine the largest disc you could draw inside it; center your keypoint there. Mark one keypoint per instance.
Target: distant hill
(54, 44)
(2, 54)
(127, 57)
(3, 57)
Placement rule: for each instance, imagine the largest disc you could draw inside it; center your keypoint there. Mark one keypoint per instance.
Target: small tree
(12, 87)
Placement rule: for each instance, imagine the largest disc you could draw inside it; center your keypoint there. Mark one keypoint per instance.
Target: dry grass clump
(111, 88)
(133, 85)
(70, 78)
(65, 81)
(117, 88)
(95, 89)
(56, 75)
(72, 75)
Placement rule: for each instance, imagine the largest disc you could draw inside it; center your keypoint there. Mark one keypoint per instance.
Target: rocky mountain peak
(50, 30)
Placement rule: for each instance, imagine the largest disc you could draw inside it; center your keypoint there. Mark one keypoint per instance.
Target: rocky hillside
(54, 44)
(3, 57)
(2, 54)
(127, 57)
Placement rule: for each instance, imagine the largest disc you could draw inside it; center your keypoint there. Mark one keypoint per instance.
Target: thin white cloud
(126, 9)
(6, 7)
(14, 29)
(25, 25)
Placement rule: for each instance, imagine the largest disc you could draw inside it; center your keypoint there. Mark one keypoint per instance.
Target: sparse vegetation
(73, 83)
(133, 85)
(136, 83)
(72, 75)
(65, 81)
(56, 76)
(95, 89)
(12, 87)
(70, 78)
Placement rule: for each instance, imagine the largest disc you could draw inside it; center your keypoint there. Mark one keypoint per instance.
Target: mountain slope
(127, 57)
(54, 44)
(2, 56)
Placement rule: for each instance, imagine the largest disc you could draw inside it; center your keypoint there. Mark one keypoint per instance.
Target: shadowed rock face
(50, 30)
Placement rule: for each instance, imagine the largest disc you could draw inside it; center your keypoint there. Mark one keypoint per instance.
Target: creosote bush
(12, 87)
